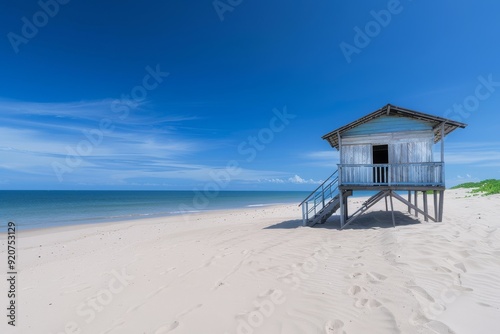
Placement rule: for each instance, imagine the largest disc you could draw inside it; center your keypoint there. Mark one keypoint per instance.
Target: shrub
(486, 187)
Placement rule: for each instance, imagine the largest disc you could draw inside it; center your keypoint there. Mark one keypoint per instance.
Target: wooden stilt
(435, 205)
(416, 203)
(346, 208)
(392, 209)
(441, 205)
(342, 208)
(386, 207)
(425, 206)
(409, 200)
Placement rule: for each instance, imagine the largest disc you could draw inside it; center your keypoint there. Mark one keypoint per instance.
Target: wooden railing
(320, 197)
(404, 174)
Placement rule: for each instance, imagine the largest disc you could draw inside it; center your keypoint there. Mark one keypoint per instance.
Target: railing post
(307, 212)
(389, 171)
(340, 174)
(303, 216)
(323, 196)
(442, 173)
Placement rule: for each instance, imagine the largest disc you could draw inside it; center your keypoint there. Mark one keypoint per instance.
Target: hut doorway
(380, 154)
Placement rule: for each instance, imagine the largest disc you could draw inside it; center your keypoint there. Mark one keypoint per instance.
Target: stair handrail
(321, 185)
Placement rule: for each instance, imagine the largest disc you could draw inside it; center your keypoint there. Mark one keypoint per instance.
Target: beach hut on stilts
(389, 152)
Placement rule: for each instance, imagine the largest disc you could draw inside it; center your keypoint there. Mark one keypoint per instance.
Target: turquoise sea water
(41, 209)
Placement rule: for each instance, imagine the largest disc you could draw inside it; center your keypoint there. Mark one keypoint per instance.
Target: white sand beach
(257, 270)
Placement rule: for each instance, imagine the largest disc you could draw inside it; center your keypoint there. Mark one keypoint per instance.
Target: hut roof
(391, 110)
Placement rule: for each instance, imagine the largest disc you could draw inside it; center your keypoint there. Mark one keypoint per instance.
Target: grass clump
(485, 187)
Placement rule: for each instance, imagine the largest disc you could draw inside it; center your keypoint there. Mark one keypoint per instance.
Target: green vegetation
(486, 187)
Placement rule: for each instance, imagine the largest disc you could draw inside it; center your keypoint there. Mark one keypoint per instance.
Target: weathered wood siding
(385, 124)
(411, 152)
(389, 137)
(357, 154)
(408, 140)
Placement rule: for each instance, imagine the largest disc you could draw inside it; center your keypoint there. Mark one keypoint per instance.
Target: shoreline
(144, 221)
(93, 221)
(42, 209)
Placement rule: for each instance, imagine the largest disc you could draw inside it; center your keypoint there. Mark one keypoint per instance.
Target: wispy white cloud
(483, 154)
(326, 158)
(89, 110)
(143, 149)
(37, 135)
(294, 180)
(323, 155)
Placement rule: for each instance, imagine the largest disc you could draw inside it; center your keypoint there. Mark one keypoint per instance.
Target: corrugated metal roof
(391, 110)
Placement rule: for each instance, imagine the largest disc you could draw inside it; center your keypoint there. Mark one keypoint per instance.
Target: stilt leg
(441, 205)
(425, 206)
(386, 207)
(435, 205)
(346, 208)
(416, 203)
(409, 200)
(342, 215)
(392, 210)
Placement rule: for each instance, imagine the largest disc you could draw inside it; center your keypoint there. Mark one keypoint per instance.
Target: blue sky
(172, 94)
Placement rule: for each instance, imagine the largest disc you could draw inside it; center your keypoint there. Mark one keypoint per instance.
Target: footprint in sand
(417, 318)
(375, 277)
(266, 293)
(174, 325)
(354, 290)
(334, 327)
(370, 303)
(167, 271)
(358, 264)
(463, 253)
(360, 303)
(460, 266)
(373, 303)
(438, 327)
(462, 288)
(353, 275)
(442, 269)
(420, 292)
(167, 328)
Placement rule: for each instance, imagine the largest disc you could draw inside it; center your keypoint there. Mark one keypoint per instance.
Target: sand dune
(258, 271)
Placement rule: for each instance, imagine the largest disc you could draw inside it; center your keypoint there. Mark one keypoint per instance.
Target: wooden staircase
(325, 213)
(323, 202)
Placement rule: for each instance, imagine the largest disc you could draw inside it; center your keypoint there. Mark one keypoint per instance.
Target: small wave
(262, 204)
(184, 211)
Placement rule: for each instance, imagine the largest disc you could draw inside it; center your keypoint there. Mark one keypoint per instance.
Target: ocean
(42, 209)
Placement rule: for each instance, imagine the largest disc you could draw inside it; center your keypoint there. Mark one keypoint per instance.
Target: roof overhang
(390, 110)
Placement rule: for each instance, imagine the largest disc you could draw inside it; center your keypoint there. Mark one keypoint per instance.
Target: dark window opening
(380, 155)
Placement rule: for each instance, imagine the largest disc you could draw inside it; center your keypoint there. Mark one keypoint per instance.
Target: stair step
(323, 194)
